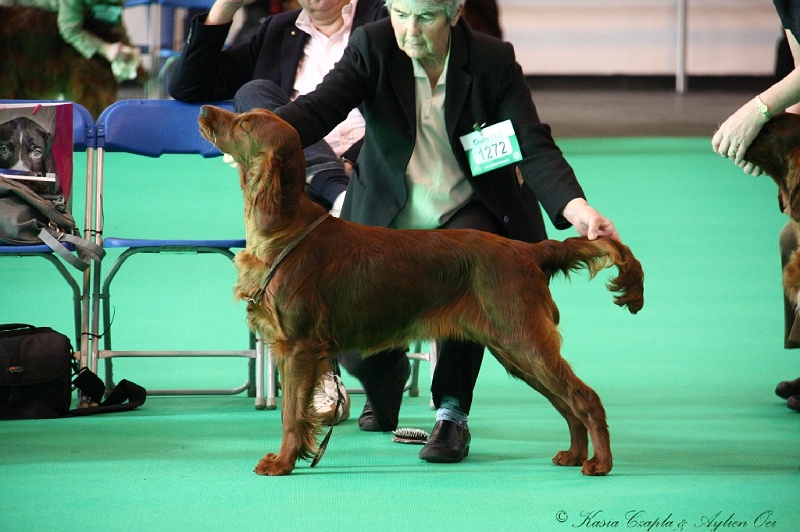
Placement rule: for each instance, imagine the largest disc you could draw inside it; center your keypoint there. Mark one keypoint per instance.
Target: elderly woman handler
(427, 82)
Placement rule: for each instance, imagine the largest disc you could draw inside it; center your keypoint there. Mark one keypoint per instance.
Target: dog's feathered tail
(577, 253)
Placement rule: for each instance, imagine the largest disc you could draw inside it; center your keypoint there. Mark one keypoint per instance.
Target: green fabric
(698, 435)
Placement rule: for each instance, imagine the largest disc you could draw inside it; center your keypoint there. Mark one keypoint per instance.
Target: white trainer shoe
(331, 400)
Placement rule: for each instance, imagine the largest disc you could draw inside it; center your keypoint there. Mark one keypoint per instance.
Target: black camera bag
(36, 366)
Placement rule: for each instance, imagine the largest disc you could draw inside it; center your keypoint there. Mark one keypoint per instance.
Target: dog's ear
(265, 179)
(767, 152)
(793, 181)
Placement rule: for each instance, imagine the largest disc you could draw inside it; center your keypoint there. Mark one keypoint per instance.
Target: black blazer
(207, 72)
(485, 85)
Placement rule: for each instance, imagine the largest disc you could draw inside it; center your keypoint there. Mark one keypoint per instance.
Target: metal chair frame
(152, 128)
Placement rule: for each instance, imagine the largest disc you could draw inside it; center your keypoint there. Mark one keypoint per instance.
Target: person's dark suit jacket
(205, 72)
(485, 86)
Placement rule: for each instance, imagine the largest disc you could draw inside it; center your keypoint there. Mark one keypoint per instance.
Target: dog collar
(256, 297)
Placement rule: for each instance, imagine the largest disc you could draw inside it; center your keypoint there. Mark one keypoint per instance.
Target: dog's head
(776, 150)
(272, 167)
(25, 146)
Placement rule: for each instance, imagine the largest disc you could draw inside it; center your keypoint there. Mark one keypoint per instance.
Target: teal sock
(450, 410)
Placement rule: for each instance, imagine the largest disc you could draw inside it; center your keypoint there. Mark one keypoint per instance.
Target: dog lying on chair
(776, 150)
(315, 291)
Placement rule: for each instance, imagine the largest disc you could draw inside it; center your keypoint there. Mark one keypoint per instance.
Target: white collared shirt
(320, 54)
(437, 187)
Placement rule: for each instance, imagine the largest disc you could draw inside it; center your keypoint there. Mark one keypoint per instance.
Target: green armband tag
(491, 147)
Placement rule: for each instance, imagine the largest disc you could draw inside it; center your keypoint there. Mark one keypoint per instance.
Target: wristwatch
(763, 108)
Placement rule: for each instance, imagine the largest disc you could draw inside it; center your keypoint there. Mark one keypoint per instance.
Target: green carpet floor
(700, 441)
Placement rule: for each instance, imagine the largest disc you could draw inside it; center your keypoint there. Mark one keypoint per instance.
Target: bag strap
(61, 218)
(126, 395)
(15, 326)
(86, 249)
(61, 228)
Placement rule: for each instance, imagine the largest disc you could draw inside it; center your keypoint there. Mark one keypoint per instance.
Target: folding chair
(152, 128)
(416, 354)
(83, 133)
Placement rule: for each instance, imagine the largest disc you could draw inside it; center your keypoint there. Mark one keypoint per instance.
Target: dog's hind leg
(580, 406)
(585, 404)
(299, 367)
(578, 450)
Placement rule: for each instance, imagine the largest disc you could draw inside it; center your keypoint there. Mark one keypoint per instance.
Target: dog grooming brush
(406, 435)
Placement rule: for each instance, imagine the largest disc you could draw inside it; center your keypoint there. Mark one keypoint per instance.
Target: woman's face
(423, 36)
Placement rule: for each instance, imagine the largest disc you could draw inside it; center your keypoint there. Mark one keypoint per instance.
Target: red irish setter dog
(314, 291)
(776, 150)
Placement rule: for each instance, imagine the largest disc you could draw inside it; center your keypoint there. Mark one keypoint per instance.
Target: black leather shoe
(787, 389)
(448, 443)
(368, 422)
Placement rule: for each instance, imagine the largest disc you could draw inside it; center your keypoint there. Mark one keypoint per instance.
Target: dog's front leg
(298, 370)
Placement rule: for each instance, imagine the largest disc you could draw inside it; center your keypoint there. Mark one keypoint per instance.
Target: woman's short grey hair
(448, 7)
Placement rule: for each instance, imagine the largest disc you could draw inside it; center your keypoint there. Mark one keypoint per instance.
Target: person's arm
(205, 72)
(785, 94)
(223, 11)
(794, 46)
(343, 88)
(736, 134)
(71, 15)
(544, 168)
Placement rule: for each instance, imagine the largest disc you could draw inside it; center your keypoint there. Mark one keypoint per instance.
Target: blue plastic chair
(152, 128)
(84, 140)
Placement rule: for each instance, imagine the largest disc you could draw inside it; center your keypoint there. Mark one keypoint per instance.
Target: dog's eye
(37, 152)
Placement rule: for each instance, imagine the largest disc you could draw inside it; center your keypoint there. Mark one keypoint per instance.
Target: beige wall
(633, 37)
(723, 37)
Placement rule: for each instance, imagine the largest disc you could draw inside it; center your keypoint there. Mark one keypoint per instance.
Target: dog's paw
(271, 466)
(595, 467)
(569, 458)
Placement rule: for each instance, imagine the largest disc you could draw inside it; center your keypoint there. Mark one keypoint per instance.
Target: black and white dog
(25, 147)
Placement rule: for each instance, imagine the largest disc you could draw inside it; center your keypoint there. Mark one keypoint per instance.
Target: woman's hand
(736, 134)
(587, 221)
